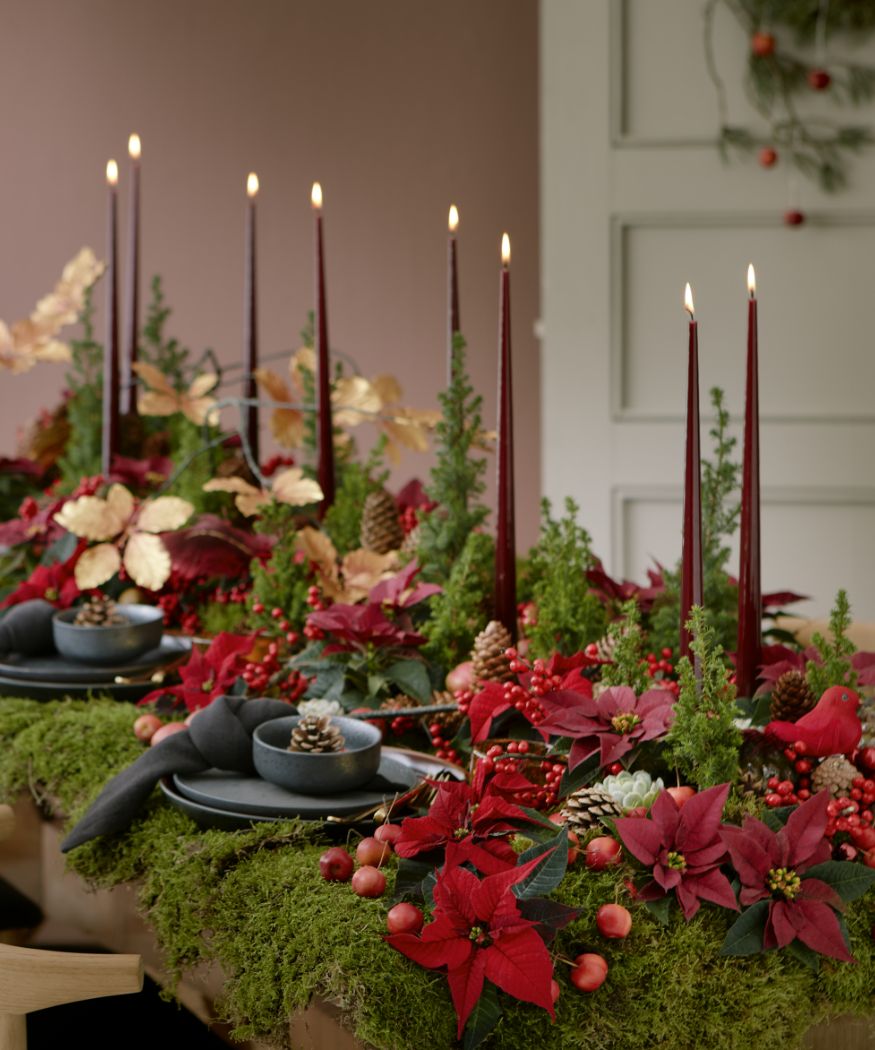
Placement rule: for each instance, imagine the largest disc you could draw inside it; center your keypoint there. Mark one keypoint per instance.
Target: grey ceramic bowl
(321, 774)
(109, 645)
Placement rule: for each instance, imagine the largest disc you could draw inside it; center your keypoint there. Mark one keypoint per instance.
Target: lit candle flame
(251, 184)
(111, 172)
(688, 299)
(751, 281)
(505, 249)
(134, 147)
(454, 218)
(316, 196)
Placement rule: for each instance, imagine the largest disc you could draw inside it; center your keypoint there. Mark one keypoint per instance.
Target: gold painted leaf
(388, 389)
(363, 569)
(287, 427)
(121, 502)
(90, 517)
(151, 403)
(290, 486)
(248, 498)
(154, 377)
(303, 360)
(96, 566)
(272, 384)
(354, 400)
(164, 514)
(147, 561)
(202, 384)
(319, 549)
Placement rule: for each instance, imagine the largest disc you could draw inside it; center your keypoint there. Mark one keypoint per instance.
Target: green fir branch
(835, 652)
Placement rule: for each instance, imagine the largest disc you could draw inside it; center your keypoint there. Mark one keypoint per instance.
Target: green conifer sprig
(569, 615)
(704, 741)
(835, 651)
(629, 664)
(457, 477)
(462, 609)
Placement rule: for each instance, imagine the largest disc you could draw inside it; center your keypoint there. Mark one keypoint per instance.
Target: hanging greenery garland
(790, 57)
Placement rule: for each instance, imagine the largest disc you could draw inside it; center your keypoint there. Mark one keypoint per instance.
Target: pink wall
(398, 108)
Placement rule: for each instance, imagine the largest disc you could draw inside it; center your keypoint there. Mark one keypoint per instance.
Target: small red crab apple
(373, 851)
(602, 852)
(404, 918)
(336, 865)
(163, 732)
(146, 726)
(613, 921)
(369, 881)
(389, 833)
(589, 973)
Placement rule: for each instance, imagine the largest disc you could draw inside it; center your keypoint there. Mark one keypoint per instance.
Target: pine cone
(836, 774)
(585, 809)
(381, 527)
(316, 734)
(490, 663)
(99, 612)
(605, 646)
(791, 697)
(752, 783)
(867, 718)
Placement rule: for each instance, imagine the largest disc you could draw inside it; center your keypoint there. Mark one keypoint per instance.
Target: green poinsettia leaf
(745, 936)
(584, 773)
(850, 881)
(660, 909)
(410, 876)
(483, 1018)
(412, 677)
(777, 818)
(807, 956)
(547, 875)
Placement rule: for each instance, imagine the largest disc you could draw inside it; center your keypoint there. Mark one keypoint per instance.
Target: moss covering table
(243, 923)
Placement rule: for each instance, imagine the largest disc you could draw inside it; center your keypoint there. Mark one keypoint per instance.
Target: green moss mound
(254, 902)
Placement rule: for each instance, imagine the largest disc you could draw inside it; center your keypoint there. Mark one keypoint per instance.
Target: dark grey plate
(54, 668)
(251, 797)
(207, 816)
(23, 689)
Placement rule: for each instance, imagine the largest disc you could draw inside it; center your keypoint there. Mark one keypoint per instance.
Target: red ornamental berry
(774, 800)
(785, 787)
(768, 157)
(613, 921)
(794, 217)
(803, 766)
(589, 973)
(762, 44)
(819, 79)
(866, 758)
(615, 768)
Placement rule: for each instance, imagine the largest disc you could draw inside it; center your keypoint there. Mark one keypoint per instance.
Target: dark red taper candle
(250, 322)
(691, 561)
(505, 538)
(750, 594)
(131, 329)
(453, 323)
(325, 428)
(110, 433)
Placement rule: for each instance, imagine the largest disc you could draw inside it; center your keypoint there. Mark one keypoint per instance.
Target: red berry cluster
(527, 700)
(463, 698)
(88, 486)
(663, 670)
(270, 468)
(236, 595)
(786, 792)
(508, 759)
(443, 747)
(271, 673)
(314, 600)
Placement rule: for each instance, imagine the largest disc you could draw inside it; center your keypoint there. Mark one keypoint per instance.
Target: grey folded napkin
(220, 737)
(27, 628)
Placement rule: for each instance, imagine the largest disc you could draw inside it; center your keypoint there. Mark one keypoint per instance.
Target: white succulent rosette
(631, 790)
(318, 708)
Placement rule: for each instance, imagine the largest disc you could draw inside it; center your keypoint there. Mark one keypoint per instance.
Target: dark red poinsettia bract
(209, 673)
(684, 848)
(478, 933)
(772, 867)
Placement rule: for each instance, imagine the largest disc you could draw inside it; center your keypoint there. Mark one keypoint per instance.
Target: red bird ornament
(832, 728)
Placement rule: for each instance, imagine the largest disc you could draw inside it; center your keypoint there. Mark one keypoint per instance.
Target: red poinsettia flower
(772, 867)
(209, 673)
(399, 591)
(684, 848)
(54, 583)
(478, 933)
(474, 818)
(562, 675)
(357, 626)
(610, 591)
(612, 724)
